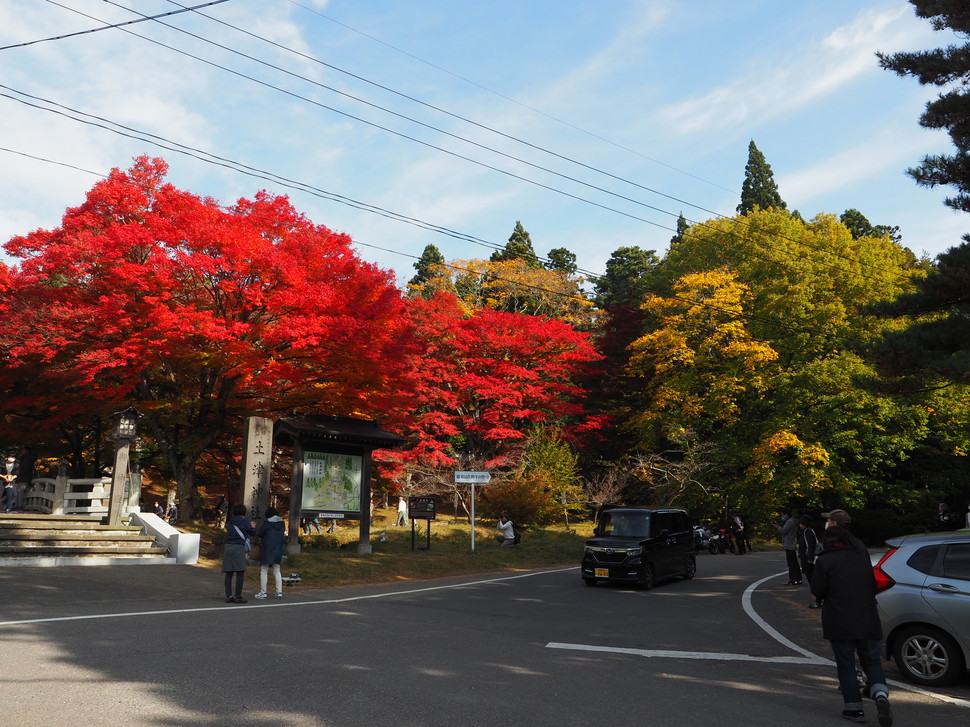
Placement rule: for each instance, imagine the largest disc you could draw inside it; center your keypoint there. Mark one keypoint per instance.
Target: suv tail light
(883, 581)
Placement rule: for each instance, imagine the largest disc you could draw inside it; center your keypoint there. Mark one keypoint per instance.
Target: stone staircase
(51, 540)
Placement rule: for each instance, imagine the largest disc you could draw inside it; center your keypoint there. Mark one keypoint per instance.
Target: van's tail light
(883, 581)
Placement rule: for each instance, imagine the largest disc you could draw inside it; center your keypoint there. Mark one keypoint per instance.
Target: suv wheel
(691, 568)
(589, 582)
(647, 578)
(927, 656)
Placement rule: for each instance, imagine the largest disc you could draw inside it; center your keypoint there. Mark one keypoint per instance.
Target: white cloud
(772, 87)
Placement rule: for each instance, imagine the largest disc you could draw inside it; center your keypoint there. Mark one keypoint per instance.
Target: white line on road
(288, 604)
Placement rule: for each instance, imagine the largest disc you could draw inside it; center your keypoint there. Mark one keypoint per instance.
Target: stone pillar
(257, 461)
(296, 499)
(363, 544)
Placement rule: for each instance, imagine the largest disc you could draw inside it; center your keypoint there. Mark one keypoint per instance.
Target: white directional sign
(472, 477)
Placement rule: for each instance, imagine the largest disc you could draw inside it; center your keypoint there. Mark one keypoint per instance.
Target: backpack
(518, 537)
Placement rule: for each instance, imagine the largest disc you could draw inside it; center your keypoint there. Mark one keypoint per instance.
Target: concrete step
(83, 549)
(55, 560)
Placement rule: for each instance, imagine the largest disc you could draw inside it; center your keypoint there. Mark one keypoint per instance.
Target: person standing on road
(238, 531)
(736, 525)
(788, 530)
(272, 534)
(843, 579)
(808, 550)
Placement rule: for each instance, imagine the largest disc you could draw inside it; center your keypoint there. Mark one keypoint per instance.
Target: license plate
(602, 573)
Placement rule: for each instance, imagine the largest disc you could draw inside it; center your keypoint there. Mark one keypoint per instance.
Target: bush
(527, 499)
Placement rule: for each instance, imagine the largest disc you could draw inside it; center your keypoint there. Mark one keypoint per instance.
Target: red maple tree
(197, 314)
(485, 378)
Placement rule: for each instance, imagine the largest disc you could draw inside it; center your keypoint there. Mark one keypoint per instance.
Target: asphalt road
(156, 646)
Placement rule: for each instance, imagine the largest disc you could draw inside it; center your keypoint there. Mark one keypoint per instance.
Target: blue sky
(631, 112)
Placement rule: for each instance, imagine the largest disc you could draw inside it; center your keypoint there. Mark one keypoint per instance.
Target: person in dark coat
(238, 531)
(808, 550)
(843, 580)
(272, 535)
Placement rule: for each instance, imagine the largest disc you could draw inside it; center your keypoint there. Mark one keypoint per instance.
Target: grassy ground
(332, 560)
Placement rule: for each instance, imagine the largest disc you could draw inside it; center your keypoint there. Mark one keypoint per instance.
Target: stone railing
(69, 496)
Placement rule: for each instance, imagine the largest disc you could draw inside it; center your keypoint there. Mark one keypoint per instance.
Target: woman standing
(272, 534)
(238, 531)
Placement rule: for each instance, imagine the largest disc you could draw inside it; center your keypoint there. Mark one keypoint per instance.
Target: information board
(421, 508)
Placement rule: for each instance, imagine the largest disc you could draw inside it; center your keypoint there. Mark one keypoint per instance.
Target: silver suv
(923, 593)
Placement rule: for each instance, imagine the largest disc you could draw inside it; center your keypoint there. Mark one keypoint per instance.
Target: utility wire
(461, 268)
(107, 27)
(476, 144)
(392, 131)
(508, 98)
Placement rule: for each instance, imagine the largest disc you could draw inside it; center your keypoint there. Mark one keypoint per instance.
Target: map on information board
(331, 482)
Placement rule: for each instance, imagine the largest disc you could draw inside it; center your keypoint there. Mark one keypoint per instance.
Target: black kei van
(637, 545)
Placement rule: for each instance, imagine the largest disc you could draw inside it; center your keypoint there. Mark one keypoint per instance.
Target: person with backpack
(506, 537)
(809, 547)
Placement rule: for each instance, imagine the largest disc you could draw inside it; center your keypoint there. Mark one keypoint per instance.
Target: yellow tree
(513, 286)
(699, 363)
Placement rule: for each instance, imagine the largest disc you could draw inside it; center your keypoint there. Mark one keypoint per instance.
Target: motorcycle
(704, 539)
(723, 541)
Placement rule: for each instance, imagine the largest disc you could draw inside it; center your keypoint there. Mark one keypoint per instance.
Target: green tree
(562, 260)
(427, 266)
(759, 188)
(628, 278)
(858, 224)
(935, 348)
(800, 427)
(947, 68)
(519, 247)
(681, 229)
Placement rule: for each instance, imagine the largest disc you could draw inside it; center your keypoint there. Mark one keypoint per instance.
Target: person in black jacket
(808, 550)
(843, 579)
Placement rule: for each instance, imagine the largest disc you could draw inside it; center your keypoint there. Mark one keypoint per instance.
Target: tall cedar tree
(198, 315)
(937, 347)
(519, 247)
(759, 188)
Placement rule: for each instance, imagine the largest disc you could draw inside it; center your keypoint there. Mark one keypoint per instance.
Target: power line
(459, 268)
(107, 27)
(460, 156)
(507, 98)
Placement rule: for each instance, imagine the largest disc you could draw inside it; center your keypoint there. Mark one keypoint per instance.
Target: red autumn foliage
(197, 314)
(485, 378)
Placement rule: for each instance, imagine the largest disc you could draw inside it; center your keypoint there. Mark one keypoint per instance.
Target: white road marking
(288, 604)
(807, 658)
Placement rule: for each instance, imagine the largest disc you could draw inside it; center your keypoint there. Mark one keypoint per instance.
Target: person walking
(808, 548)
(238, 533)
(402, 512)
(844, 581)
(272, 536)
(788, 530)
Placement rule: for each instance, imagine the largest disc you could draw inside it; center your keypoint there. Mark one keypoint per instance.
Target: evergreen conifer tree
(943, 67)
(759, 188)
(563, 260)
(519, 247)
(425, 265)
(681, 229)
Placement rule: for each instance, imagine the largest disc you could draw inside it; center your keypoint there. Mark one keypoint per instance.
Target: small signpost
(421, 508)
(472, 477)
